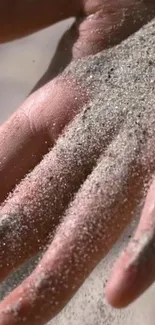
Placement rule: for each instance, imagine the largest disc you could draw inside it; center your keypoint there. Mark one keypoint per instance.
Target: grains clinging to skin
(112, 137)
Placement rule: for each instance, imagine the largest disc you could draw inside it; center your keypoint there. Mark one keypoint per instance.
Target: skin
(29, 134)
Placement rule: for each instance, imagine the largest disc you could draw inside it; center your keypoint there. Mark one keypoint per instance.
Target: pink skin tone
(35, 127)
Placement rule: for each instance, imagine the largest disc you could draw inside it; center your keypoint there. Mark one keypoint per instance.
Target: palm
(76, 197)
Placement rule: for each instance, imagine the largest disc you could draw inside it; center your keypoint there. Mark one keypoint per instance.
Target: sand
(111, 140)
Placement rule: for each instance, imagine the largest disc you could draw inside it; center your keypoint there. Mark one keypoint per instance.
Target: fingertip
(121, 287)
(114, 294)
(135, 270)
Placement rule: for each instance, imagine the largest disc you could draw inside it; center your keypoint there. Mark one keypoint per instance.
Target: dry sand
(122, 83)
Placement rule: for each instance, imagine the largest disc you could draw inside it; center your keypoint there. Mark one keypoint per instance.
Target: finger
(20, 18)
(36, 206)
(92, 224)
(135, 270)
(33, 129)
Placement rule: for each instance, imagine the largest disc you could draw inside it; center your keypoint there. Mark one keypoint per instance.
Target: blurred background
(22, 63)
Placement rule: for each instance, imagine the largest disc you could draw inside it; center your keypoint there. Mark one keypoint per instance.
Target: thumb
(97, 28)
(108, 24)
(100, 23)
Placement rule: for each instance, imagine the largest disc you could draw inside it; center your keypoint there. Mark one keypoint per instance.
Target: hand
(69, 202)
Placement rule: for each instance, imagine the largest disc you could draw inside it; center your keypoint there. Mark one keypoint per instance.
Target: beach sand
(88, 306)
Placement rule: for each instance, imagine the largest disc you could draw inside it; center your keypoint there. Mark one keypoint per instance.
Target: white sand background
(22, 63)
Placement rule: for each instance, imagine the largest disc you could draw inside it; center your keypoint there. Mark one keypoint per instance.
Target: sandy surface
(21, 65)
